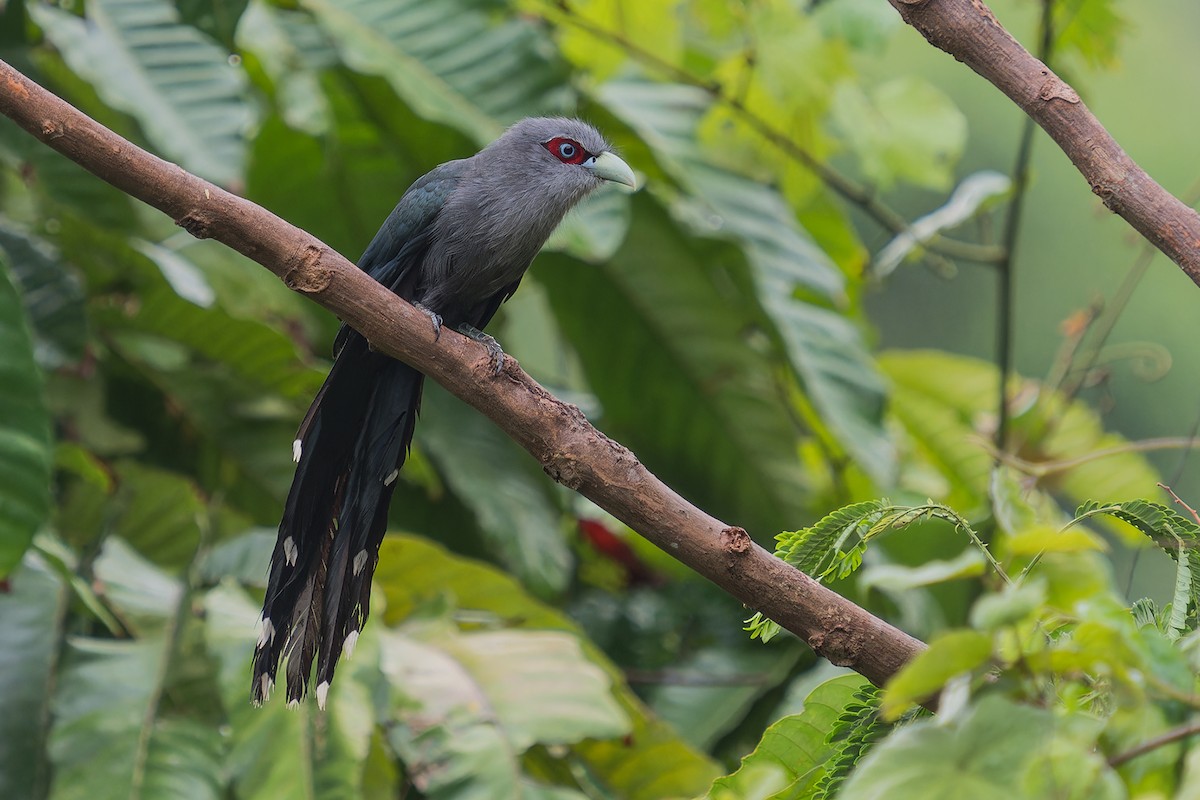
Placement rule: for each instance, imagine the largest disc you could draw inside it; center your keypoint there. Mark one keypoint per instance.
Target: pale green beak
(611, 168)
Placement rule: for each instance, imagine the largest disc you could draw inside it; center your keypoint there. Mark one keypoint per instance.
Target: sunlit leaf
(903, 130)
(949, 654)
(650, 763)
(982, 755)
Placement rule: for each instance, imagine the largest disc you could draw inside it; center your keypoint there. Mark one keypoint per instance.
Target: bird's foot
(434, 317)
(495, 352)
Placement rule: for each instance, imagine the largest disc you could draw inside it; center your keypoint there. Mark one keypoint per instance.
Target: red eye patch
(567, 150)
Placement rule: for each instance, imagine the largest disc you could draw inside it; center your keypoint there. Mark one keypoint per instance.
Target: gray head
(564, 153)
(511, 196)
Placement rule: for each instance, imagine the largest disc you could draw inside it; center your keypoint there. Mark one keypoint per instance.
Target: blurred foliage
(527, 645)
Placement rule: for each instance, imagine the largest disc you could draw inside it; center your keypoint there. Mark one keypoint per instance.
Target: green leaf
(277, 752)
(705, 711)
(650, 763)
(981, 755)
(950, 654)
(31, 613)
(51, 294)
(947, 403)
(113, 736)
(282, 43)
(26, 452)
(1091, 29)
(794, 282)
(451, 62)
(898, 578)
(1173, 533)
(793, 752)
(468, 704)
(175, 81)
(503, 486)
(706, 415)
(217, 18)
(903, 130)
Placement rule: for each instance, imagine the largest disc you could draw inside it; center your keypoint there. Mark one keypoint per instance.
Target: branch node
(197, 223)
(304, 272)
(52, 129)
(562, 469)
(1055, 88)
(735, 540)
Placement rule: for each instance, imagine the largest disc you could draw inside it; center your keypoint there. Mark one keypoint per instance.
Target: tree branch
(967, 30)
(569, 449)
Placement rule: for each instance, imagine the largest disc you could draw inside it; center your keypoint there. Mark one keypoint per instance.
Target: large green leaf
(651, 762)
(994, 751)
(113, 736)
(793, 754)
(797, 286)
(52, 296)
(502, 485)
(30, 617)
(663, 342)
(177, 83)
(468, 705)
(26, 455)
(730, 680)
(276, 751)
(451, 61)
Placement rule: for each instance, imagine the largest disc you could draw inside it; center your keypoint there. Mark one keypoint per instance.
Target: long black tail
(349, 450)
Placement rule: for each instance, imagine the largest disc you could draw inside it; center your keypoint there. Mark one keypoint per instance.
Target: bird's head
(563, 152)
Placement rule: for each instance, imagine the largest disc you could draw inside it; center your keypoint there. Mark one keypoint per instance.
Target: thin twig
(1170, 737)
(1177, 499)
(1040, 469)
(1012, 227)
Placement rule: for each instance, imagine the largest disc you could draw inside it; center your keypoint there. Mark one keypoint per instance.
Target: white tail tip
(351, 643)
(322, 694)
(268, 634)
(290, 551)
(264, 687)
(297, 447)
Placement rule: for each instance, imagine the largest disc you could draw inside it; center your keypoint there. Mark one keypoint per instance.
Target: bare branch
(967, 30)
(570, 450)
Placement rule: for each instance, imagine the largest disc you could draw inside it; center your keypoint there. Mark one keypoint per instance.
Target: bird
(456, 245)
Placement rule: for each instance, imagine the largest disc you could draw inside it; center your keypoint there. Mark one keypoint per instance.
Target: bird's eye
(566, 150)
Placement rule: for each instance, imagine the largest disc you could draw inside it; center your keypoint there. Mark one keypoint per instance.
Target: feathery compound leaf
(1173, 533)
(793, 754)
(832, 547)
(857, 729)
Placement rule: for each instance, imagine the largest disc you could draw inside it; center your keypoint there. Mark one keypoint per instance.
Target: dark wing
(395, 255)
(396, 249)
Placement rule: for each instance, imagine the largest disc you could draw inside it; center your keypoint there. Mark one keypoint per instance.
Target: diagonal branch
(570, 450)
(967, 30)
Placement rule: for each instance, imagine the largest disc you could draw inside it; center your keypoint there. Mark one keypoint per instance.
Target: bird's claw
(495, 352)
(434, 317)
